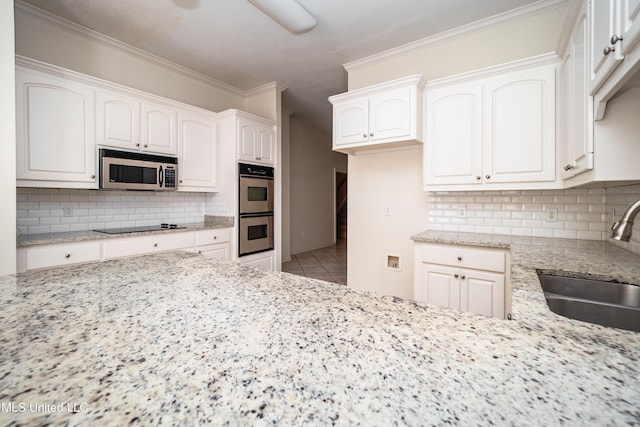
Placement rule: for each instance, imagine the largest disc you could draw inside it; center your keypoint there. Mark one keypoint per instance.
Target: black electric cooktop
(123, 230)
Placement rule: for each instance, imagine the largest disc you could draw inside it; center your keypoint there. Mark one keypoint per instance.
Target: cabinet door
(55, 132)
(453, 147)
(158, 129)
(630, 24)
(351, 122)
(197, 155)
(247, 140)
(604, 25)
(519, 132)
(118, 120)
(577, 144)
(266, 144)
(389, 115)
(482, 293)
(438, 285)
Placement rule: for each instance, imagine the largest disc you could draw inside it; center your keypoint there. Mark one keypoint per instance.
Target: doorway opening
(340, 207)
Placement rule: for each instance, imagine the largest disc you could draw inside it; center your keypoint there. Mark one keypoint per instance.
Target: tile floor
(328, 263)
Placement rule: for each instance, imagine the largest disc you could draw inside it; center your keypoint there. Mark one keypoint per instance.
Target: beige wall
(312, 188)
(7, 141)
(395, 178)
(49, 42)
(392, 180)
(508, 41)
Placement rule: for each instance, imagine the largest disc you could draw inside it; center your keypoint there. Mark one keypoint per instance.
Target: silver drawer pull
(67, 256)
(459, 258)
(155, 245)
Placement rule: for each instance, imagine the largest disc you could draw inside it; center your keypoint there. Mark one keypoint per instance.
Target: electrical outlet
(67, 210)
(462, 212)
(551, 215)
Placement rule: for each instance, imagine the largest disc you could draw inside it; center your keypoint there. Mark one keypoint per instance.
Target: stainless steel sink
(595, 301)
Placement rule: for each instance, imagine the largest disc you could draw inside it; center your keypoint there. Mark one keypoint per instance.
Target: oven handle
(160, 175)
(254, 215)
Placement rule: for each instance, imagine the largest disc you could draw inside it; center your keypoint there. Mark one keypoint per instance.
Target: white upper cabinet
(118, 120)
(134, 124)
(520, 127)
(605, 55)
(492, 133)
(614, 51)
(577, 109)
(55, 132)
(256, 142)
(629, 24)
(453, 148)
(197, 152)
(380, 116)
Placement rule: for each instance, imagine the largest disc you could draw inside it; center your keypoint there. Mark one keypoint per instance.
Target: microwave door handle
(160, 175)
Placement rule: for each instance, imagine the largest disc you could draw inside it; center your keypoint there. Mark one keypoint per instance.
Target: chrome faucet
(622, 229)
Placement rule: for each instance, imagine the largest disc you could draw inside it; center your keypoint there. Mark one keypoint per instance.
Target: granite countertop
(180, 339)
(210, 222)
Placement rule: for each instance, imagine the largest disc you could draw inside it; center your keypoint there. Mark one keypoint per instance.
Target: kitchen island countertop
(180, 339)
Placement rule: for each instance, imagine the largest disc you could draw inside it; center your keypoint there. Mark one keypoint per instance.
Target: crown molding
(272, 85)
(518, 13)
(87, 32)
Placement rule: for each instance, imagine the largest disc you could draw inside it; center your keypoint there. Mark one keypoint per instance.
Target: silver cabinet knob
(215, 237)
(371, 134)
(67, 256)
(478, 177)
(615, 39)
(607, 50)
(568, 167)
(155, 245)
(180, 181)
(463, 277)
(93, 177)
(145, 145)
(459, 258)
(488, 176)
(455, 275)
(137, 144)
(364, 135)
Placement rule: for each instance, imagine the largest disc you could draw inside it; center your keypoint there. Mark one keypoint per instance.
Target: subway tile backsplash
(41, 210)
(583, 213)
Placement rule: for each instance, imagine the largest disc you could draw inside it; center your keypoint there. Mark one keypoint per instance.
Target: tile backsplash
(43, 210)
(582, 213)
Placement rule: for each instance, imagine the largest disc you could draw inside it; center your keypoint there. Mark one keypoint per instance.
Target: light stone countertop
(210, 222)
(180, 339)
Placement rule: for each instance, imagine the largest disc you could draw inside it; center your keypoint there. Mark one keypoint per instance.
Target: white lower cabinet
(213, 243)
(465, 278)
(128, 246)
(45, 256)
(262, 259)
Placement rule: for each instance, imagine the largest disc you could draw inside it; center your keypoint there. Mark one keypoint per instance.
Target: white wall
(7, 141)
(312, 189)
(376, 182)
(396, 178)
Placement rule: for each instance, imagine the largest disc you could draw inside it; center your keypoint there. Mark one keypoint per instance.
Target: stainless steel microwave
(123, 170)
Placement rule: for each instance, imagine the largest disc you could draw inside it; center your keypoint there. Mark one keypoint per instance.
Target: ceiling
(233, 42)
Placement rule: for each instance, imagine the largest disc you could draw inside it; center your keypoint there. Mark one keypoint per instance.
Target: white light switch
(387, 210)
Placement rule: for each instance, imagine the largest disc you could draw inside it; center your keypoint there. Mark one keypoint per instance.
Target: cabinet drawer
(116, 248)
(465, 256)
(214, 251)
(63, 254)
(209, 237)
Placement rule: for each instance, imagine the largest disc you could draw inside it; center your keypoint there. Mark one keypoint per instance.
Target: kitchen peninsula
(179, 339)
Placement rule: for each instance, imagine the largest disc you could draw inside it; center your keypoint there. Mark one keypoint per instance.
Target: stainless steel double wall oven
(255, 208)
